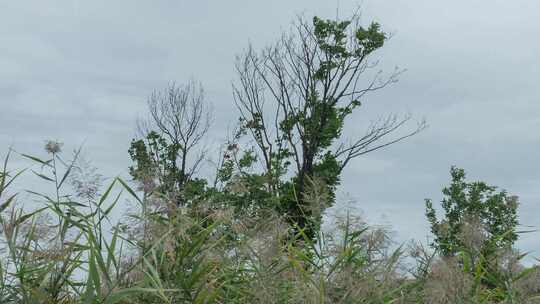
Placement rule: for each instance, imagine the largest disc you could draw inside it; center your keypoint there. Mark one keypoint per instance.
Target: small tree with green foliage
(168, 152)
(478, 218)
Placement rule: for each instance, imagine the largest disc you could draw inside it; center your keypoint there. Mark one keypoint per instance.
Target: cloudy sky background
(80, 71)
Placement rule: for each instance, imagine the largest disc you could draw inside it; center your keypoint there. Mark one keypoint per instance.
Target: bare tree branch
(181, 115)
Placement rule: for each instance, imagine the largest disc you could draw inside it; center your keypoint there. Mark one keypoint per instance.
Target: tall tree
(294, 98)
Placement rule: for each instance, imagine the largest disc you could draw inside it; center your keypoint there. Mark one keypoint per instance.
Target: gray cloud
(79, 71)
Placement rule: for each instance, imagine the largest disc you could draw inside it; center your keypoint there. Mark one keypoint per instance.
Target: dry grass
(70, 251)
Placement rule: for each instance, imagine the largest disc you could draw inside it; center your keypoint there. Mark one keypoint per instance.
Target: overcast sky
(80, 71)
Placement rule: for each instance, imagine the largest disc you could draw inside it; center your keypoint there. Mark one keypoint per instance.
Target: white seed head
(53, 146)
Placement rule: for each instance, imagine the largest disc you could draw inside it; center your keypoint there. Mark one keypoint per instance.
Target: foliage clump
(476, 217)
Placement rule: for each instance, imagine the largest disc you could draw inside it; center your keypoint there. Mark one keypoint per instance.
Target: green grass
(68, 249)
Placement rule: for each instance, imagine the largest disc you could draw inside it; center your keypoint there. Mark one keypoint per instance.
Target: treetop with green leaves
(473, 210)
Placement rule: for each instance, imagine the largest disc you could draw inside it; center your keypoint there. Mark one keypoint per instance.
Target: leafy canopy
(491, 214)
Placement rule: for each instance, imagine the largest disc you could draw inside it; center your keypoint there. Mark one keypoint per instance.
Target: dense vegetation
(252, 232)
